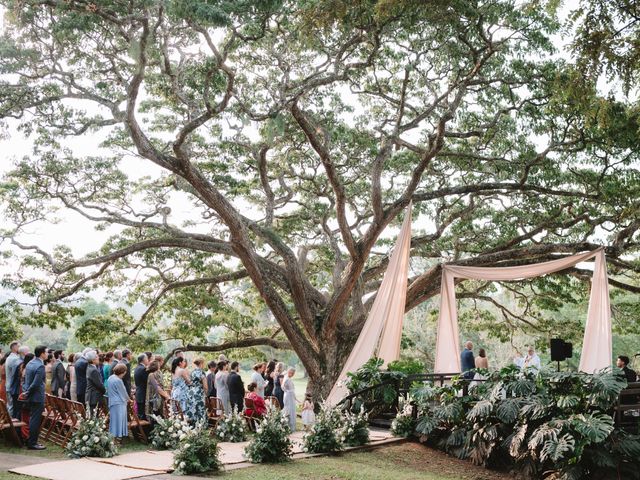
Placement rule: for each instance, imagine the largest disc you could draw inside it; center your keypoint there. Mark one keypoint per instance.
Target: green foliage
(554, 421)
(169, 432)
(232, 427)
(197, 453)
(355, 428)
(369, 375)
(408, 366)
(324, 436)
(271, 443)
(404, 425)
(91, 439)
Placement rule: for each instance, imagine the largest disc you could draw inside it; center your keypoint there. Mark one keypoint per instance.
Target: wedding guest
(59, 378)
(236, 387)
(95, 386)
(33, 393)
(222, 388)
(196, 408)
(258, 401)
(81, 376)
(531, 361)
(290, 398)
(467, 361)
(268, 374)
(71, 378)
(211, 378)
(3, 378)
(118, 400)
(481, 360)
(115, 359)
(156, 394)
(13, 360)
(623, 362)
(48, 371)
(308, 415)
(22, 406)
(13, 375)
(258, 379)
(278, 378)
(126, 360)
(106, 367)
(180, 382)
(140, 377)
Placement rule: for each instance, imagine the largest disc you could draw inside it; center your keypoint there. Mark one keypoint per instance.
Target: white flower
(187, 445)
(183, 436)
(170, 429)
(163, 432)
(182, 464)
(259, 430)
(77, 441)
(85, 438)
(96, 439)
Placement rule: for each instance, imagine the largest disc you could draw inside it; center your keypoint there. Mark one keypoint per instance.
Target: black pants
(35, 419)
(16, 407)
(236, 402)
(141, 410)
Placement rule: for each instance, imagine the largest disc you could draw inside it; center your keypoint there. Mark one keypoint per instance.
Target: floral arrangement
(232, 428)
(324, 435)
(271, 443)
(404, 424)
(355, 430)
(167, 432)
(197, 453)
(91, 439)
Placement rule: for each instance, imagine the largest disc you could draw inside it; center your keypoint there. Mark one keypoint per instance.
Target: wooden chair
(215, 411)
(254, 418)
(57, 432)
(272, 401)
(8, 426)
(138, 427)
(49, 416)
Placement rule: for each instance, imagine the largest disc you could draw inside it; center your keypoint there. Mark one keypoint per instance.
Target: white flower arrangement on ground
(355, 430)
(326, 434)
(168, 432)
(92, 439)
(232, 428)
(197, 452)
(271, 443)
(404, 424)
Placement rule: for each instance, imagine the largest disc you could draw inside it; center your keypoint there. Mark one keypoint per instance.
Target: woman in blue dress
(196, 410)
(180, 383)
(118, 401)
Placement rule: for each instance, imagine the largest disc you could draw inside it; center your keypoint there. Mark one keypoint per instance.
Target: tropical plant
(232, 427)
(404, 424)
(324, 436)
(271, 442)
(168, 432)
(91, 439)
(555, 422)
(197, 452)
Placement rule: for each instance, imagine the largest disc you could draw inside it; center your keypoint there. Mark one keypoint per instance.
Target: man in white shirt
(258, 379)
(13, 360)
(530, 361)
(10, 368)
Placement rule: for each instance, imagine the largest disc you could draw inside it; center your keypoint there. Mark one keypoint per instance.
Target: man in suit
(95, 391)
(59, 375)
(14, 359)
(140, 377)
(81, 375)
(126, 361)
(117, 358)
(33, 395)
(467, 360)
(623, 362)
(211, 379)
(236, 387)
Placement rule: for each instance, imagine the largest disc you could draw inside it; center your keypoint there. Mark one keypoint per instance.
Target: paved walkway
(152, 465)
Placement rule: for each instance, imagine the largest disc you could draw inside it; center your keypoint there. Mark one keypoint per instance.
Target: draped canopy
(596, 347)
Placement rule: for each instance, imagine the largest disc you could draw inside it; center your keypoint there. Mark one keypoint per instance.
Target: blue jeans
(35, 419)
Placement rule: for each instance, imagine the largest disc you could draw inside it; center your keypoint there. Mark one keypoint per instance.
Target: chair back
(273, 401)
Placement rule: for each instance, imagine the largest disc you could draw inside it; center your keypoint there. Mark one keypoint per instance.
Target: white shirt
(13, 361)
(260, 382)
(531, 361)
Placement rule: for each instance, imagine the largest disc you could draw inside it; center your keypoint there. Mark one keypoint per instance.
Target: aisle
(155, 463)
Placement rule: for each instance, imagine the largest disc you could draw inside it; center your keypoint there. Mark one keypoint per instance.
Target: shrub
(323, 437)
(559, 424)
(197, 453)
(408, 367)
(91, 439)
(355, 430)
(271, 443)
(167, 432)
(371, 374)
(232, 428)
(404, 424)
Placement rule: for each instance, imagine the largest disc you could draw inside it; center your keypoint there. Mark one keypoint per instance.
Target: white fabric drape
(597, 344)
(382, 331)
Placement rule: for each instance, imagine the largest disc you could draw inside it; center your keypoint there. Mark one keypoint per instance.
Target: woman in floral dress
(180, 383)
(196, 409)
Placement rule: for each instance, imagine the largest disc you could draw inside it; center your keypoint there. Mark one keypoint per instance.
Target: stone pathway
(134, 464)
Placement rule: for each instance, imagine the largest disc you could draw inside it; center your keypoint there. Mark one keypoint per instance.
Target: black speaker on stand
(560, 350)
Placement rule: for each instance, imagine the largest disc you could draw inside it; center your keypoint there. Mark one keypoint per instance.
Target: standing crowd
(104, 382)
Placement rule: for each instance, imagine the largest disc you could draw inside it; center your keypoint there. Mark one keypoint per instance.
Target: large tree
(294, 133)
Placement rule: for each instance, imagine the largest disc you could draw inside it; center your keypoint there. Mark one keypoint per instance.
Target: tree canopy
(282, 138)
